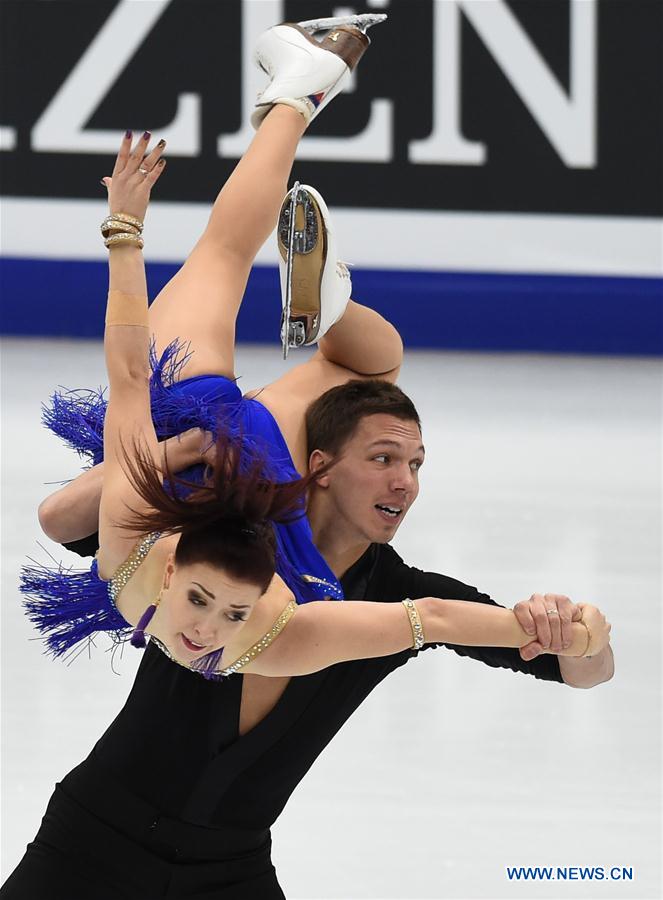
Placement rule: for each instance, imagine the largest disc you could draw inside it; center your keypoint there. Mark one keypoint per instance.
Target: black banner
(588, 140)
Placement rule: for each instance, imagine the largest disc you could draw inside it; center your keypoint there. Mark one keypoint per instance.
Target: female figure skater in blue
(219, 577)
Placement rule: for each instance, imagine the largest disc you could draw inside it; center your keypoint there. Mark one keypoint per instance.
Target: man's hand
(547, 617)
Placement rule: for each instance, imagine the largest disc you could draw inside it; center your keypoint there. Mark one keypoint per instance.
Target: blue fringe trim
(77, 416)
(70, 606)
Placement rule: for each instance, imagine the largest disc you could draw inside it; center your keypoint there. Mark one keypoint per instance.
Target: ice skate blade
(362, 22)
(302, 244)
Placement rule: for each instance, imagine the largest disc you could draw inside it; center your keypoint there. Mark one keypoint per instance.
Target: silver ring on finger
(143, 171)
(552, 612)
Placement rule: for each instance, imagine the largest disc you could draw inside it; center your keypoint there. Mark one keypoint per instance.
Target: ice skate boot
(307, 73)
(315, 285)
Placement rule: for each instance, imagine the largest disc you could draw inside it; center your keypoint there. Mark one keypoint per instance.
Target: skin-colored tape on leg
(126, 309)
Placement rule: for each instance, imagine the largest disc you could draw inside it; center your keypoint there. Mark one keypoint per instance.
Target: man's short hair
(332, 419)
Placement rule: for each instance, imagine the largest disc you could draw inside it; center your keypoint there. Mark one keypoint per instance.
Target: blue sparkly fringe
(70, 606)
(77, 417)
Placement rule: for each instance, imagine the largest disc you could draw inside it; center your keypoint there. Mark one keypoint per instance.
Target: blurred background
(495, 177)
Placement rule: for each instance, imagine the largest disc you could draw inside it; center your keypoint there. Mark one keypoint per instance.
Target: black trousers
(77, 856)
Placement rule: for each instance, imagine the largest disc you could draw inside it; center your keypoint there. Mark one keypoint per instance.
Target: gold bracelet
(112, 225)
(126, 219)
(583, 655)
(418, 638)
(133, 240)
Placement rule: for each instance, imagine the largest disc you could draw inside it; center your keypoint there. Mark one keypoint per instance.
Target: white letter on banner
(569, 122)
(7, 138)
(61, 126)
(373, 144)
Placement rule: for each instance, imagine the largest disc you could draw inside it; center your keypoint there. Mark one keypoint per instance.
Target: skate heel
(347, 42)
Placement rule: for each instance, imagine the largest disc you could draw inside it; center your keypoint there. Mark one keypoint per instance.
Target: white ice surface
(543, 474)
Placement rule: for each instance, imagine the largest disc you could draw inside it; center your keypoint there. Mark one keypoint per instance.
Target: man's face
(376, 479)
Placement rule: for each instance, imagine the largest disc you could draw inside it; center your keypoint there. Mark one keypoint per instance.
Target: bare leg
(363, 342)
(360, 345)
(200, 303)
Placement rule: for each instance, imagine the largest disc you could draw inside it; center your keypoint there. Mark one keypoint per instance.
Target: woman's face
(202, 608)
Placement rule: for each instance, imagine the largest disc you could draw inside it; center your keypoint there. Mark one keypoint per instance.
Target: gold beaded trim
(333, 588)
(312, 579)
(415, 623)
(123, 237)
(264, 641)
(124, 572)
(250, 654)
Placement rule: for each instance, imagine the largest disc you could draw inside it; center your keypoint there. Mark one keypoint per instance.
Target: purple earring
(138, 636)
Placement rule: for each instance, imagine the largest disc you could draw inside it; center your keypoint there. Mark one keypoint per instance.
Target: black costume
(172, 802)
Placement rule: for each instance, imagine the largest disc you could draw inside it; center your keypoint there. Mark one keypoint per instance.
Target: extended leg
(200, 304)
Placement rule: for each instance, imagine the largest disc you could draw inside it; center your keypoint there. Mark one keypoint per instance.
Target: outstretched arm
(322, 634)
(128, 422)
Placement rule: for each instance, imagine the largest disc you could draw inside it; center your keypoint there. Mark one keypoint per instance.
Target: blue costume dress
(70, 607)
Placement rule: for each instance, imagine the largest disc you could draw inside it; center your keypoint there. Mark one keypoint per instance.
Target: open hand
(134, 175)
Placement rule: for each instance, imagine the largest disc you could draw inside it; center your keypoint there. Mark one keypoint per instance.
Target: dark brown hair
(226, 521)
(332, 419)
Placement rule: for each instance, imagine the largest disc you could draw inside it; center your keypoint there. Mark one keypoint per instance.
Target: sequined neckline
(248, 656)
(123, 573)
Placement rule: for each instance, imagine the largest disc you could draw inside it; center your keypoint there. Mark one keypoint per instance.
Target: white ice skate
(307, 73)
(315, 285)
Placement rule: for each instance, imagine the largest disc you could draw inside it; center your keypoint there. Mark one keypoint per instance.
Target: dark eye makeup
(196, 600)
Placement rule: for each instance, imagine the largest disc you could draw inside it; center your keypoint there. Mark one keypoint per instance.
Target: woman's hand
(134, 175)
(188, 449)
(598, 626)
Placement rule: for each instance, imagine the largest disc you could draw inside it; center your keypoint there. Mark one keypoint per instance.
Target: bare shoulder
(265, 615)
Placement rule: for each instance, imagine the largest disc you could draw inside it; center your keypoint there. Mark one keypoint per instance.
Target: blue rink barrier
(434, 310)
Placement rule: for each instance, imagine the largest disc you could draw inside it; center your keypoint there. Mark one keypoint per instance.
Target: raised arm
(128, 423)
(322, 634)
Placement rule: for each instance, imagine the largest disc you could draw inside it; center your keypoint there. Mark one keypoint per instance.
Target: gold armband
(126, 309)
(418, 638)
(111, 225)
(121, 229)
(116, 220)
